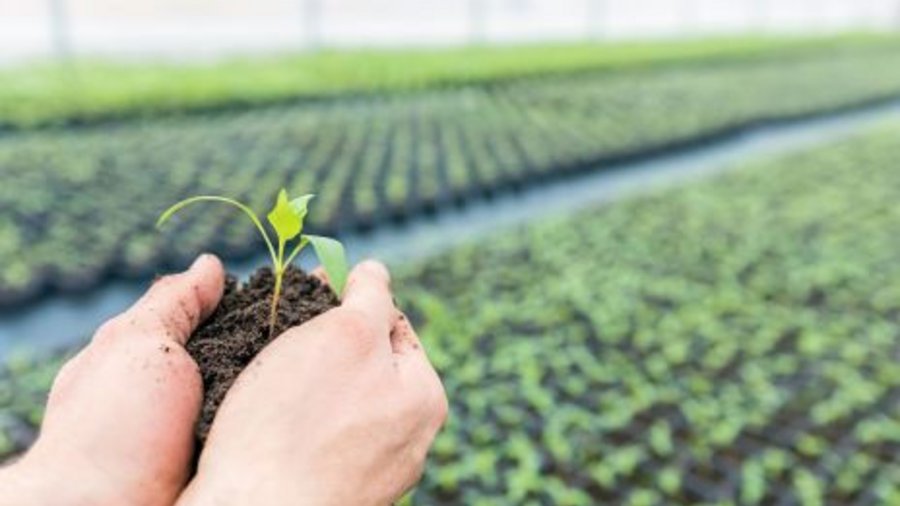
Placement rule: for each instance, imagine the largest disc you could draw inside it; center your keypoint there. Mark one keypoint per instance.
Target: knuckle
(440, 406)
(419, 459)
(413, 461)
(443, 408)
(109, 331)
(65, 375)
(435, 397)
(416, 460)
(428, 403)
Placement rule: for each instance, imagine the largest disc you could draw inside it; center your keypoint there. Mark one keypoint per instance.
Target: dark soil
(239, 328)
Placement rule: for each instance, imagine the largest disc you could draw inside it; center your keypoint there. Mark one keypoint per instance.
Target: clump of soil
(239, 328)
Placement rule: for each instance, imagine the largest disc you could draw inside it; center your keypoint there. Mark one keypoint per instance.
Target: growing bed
(82, 199)
(733, 341)
(88, 91)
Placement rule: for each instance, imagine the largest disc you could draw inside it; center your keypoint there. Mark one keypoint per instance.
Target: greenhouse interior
(651, 248)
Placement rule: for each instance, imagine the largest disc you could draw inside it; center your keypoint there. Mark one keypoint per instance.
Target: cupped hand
(118, 428)
(341, 410)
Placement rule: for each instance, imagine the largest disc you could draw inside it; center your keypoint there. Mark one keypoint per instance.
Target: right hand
(341, 410)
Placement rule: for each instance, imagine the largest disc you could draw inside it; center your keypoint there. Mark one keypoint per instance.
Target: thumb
(176, 304)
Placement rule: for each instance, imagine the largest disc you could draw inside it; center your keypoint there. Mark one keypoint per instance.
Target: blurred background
(650, 245)
(207, 28)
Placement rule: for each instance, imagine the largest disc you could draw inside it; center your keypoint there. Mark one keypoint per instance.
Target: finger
(369, 292)
(404, 338)
(176, 304)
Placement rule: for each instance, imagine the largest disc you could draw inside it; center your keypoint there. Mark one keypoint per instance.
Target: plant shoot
(286, 219)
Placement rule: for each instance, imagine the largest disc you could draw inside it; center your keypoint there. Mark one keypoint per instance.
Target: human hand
(118, 428)
(340, 410)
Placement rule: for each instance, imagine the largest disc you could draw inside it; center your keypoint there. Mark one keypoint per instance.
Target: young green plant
(286, 219)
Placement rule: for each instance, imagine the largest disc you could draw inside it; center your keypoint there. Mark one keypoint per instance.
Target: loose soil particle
(231, 337)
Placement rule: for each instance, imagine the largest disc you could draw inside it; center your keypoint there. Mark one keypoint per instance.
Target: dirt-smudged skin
(239, 329)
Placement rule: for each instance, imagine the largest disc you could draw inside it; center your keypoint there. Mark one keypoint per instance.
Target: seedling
(286, 219)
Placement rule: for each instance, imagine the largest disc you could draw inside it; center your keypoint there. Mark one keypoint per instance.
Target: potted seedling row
(561, 124)
(347, 212)
(430, 170)
(366, 188)
(396, 185)
(458, 176)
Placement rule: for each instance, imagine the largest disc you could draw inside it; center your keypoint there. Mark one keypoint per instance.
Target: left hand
(118, 428)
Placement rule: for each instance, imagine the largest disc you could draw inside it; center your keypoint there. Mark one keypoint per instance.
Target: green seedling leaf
(284, 219)
(299, 205)
(334, 260)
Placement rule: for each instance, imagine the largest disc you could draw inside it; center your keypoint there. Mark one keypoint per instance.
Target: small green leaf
(284, 219)
(299, 205)
(334, 260)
